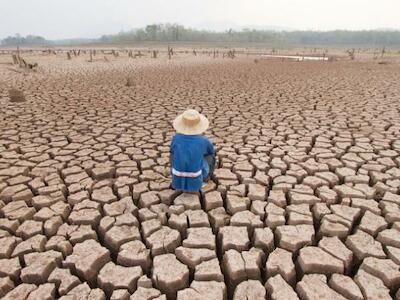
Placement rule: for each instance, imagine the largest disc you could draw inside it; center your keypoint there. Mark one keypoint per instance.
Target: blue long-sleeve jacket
(187, 161)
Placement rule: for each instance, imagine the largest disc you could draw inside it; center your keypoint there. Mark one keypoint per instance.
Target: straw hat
(191, 122)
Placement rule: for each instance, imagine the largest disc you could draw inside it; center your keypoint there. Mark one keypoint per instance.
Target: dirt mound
(16, 95)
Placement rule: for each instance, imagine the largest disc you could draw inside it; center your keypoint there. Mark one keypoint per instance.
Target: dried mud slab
(279, 289)
(112, 277)
(304, 202)
(87, 259)
(203, 290)
(250, 289)
(315, 287)
(169, 275)
(345, 286)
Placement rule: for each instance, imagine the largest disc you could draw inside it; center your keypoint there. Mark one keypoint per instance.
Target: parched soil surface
(304, 203)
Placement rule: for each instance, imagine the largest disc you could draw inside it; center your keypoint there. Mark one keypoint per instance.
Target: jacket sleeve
(171, 147)
(209, 147)
(171, 152)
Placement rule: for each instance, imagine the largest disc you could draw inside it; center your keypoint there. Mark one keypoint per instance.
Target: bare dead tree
(25, 65)
(231, 54)
(375, 55)
(170, 52)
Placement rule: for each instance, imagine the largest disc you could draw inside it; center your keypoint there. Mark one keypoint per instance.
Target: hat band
(191, 122)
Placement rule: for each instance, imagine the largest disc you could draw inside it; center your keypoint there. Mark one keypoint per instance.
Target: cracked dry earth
(304, 203)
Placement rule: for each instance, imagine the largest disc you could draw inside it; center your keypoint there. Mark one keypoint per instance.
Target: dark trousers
(211, 164)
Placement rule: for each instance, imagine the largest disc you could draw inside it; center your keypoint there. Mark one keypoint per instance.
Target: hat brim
(199, 128)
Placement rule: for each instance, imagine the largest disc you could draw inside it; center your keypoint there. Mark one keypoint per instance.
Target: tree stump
(139, 54)
(170, 52)
(15, 59)
(351, 54)
(32, 66)
(22, 63)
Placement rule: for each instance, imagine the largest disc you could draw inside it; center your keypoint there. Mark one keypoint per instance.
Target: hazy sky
(56, 19)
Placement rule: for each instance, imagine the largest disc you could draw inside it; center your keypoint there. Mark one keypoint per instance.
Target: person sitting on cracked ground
(192, 155)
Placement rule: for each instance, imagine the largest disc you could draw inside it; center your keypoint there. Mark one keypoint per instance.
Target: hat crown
(190, 122)
(191, 117)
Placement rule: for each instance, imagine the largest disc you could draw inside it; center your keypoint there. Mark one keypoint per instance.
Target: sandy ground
(304, 203)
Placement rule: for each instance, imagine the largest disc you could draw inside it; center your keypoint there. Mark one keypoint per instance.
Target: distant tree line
(19, 40)
(179, 33)
(176, 33)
